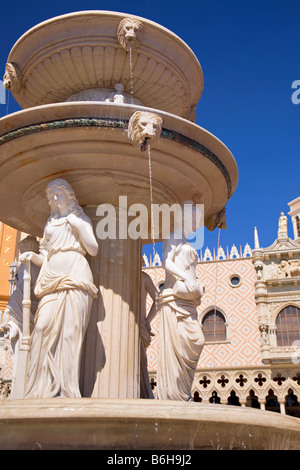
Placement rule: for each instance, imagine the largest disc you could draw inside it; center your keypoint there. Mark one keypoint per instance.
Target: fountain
(85, 81)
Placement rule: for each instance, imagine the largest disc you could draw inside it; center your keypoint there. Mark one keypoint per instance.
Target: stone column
(110, 362)
(282, 407)
(262, 405)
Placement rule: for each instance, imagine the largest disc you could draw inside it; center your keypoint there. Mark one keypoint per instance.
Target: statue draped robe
(181, 336)
(66, 290)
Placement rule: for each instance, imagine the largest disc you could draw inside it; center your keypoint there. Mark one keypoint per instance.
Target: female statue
(66, 290)
(181, 337)
(147, 287)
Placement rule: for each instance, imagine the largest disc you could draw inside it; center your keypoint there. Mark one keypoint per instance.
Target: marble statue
(13, 313)
(129, 33)
(66, 290)
(181, 338)
(282, 226)
(143, 127)
(117, 96)
(147, 287)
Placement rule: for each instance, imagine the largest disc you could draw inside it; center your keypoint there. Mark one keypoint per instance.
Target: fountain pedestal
(110, 363)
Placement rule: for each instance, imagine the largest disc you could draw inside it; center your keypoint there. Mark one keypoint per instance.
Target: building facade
(250, 315)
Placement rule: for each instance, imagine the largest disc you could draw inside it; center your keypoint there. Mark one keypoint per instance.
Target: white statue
(144, 127)
(13, 313)
(117, 96)
(129, 33)
(180, 336)
(66, 290)
(147, 287)
(289, 268)
(282, 226)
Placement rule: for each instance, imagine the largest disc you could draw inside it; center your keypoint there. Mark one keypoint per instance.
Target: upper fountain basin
(78, 51)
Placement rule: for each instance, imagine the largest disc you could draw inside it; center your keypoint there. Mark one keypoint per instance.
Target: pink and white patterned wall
(242, 347)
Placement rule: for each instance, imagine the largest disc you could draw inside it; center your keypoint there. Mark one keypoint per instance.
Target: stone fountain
(81, 80)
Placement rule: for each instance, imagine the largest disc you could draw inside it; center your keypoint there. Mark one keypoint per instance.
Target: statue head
(11, 78)
(61, 197)
(144, 127)
(129, 33)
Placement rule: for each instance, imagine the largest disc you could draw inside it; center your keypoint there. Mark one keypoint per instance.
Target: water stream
(151, 197)
(131, 73)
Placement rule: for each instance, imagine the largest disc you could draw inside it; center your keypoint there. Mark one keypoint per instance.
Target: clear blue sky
(249, 52)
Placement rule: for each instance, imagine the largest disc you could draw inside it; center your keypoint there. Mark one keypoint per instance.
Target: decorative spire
(256, 240)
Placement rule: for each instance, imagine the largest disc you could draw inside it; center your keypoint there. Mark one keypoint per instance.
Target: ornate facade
(250, 314)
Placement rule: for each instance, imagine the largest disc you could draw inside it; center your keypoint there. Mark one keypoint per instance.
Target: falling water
(7, 104)
(131, 73)
(152, 217)
(151, 197)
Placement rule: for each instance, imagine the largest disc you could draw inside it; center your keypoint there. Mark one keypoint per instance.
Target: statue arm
(85, 230)
(36, 258)
(169, 263)
(171, 267)
(153, 292)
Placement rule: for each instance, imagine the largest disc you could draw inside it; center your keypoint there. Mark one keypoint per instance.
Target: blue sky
(249, 53)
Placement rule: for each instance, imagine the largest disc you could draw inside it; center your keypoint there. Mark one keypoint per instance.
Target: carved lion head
(129, 33)
(144, 127)
(11, 79)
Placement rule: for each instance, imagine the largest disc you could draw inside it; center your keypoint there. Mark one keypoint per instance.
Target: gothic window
(288, 326)
(252, 400)
(214, 326)
(272, 402)
(292, 407)
(233, 399)
(214, 398)
(197, 396)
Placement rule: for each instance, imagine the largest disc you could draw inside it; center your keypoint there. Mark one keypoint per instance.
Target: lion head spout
(144, 127)
(11, 79)
(129, 33)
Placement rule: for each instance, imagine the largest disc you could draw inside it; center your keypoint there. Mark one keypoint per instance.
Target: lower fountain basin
(113, 424)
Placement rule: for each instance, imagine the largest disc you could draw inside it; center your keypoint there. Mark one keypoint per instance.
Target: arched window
(288, 326)
(214, 327)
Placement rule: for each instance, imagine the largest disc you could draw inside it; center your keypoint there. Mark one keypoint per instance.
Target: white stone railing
(270, 388)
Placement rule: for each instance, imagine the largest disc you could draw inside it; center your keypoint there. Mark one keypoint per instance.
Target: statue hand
(73, 220)
(27, 256)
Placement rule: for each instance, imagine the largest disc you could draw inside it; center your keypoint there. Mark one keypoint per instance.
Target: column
(262, 405)
(282, 407)
(110, 363)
